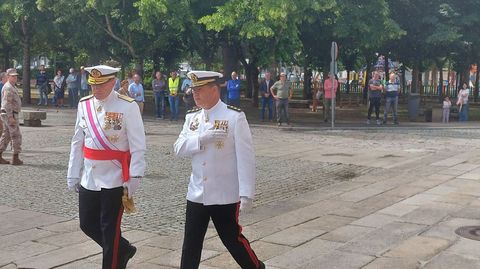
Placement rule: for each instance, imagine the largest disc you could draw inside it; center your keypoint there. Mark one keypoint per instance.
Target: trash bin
(413, 106)
(428, 114)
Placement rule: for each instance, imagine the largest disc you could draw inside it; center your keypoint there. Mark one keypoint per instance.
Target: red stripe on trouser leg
(244, 241)
(116, 241)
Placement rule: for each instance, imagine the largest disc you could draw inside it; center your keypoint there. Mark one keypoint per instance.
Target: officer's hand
(212, 135)
(246, 204)
(132, 185)
(73, 184)
(11, 121)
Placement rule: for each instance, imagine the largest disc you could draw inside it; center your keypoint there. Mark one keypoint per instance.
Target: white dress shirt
(221, 171)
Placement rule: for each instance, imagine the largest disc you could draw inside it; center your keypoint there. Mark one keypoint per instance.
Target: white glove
(73, 184)
(246, 204)
(210, 136)
(132, 185)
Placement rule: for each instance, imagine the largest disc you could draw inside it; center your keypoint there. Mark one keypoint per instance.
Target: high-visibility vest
(173, 85)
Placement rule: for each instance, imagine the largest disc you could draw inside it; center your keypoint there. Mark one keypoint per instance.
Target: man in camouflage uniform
(11, 105)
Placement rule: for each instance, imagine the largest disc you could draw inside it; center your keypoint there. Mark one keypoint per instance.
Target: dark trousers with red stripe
(100, 217)
(225, 219)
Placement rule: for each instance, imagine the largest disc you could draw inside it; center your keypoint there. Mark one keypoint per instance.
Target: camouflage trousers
(11, 133)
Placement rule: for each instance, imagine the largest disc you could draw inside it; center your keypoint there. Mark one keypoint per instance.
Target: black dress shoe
(123, 260)
(262, 265)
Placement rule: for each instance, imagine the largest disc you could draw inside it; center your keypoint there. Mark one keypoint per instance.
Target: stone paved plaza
(358, 197)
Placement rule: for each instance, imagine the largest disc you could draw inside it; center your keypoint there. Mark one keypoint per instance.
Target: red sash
(107, 155)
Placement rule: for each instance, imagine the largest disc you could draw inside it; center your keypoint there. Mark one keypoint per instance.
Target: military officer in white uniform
(107, 155)
(222, 183)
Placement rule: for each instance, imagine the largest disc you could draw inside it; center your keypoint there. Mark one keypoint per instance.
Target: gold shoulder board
(194, 110)
(86, 97)
(126, 98)
(234, 108)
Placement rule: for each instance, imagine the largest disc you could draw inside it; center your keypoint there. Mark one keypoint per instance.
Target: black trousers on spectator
(225, 219)
(374, 102)
(100, 217)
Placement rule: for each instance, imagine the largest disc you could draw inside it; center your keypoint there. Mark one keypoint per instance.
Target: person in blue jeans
(267, 98)
(462, 103)
(173, 100)
(42, 85)
(72, 88)
(391, 99)
(159, 86)
(233, 90)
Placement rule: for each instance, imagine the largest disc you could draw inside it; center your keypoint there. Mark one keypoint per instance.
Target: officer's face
(206, 96)
(102, 91)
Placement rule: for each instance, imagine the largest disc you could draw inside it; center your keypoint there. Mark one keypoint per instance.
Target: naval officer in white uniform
(107, 155)
(218, 139)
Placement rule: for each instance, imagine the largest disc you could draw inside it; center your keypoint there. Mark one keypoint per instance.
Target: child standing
(446, 109)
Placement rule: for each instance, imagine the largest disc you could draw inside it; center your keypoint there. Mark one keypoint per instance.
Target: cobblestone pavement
(161, 199)
(362, 197)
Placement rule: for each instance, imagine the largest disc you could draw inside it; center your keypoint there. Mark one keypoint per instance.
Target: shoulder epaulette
(194, 110)
(86, 97)
(234, 108)
(126, 98)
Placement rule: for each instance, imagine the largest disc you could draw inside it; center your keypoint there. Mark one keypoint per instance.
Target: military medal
(220, 125)
(194, 125)
(113, 138)
(99, 108)
(113, 120)
(219, 144)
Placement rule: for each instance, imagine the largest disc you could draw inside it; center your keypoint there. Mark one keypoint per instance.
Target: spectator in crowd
(282, 92)
(59, 89)
(462, 103)
(266, 96)
(317, 92)
(84, 90)
(187, 94)
(173, 100)
(136, 91)
(72, 87)
(159, 87)
(123, 90)
(391, 98)
(42, 85)
(233, 90)
(330, 92)
(3, 80)
(375, 97)
(447, 104)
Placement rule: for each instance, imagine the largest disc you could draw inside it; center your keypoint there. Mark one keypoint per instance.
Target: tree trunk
(415, 81)
(347, 85)
(26, 63)
(440, 83)
(229, 59)
(251, 72)
(307, 83)
(404, 83)
(387, 68)
(139, 66)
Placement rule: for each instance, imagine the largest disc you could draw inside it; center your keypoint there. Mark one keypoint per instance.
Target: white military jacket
(116, 124)
(221, 171)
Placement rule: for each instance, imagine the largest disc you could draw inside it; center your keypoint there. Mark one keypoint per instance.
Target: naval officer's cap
(201, 78)
(100, 74)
